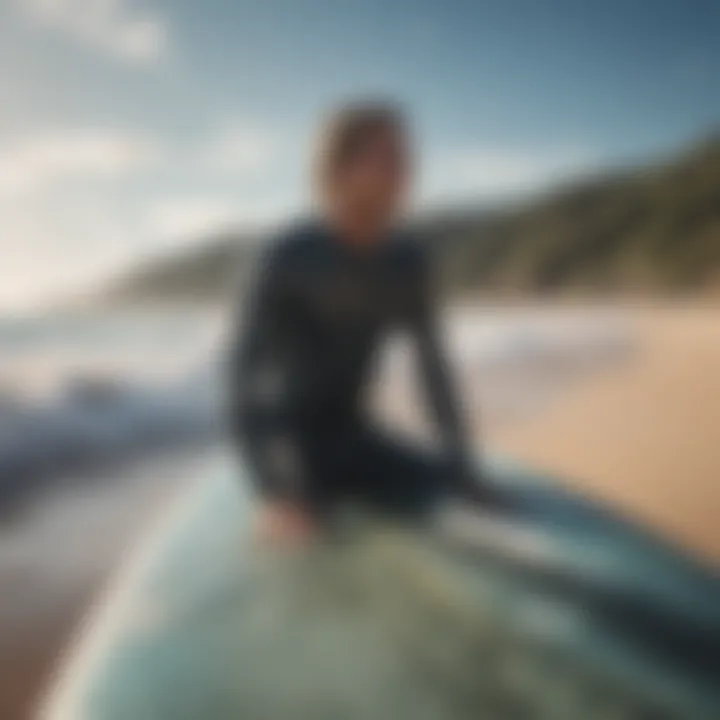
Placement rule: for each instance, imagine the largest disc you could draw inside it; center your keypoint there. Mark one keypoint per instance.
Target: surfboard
(561, 609)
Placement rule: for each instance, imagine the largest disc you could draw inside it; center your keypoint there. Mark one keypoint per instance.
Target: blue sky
(128, 127)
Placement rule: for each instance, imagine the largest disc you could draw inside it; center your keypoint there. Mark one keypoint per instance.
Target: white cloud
(242, 149)
(107, 25)
(498, 173)
(70, 207)
(239, 151)
(194, 218)
(185, 218)
(61, 217)
(50, 245)
(37, 162)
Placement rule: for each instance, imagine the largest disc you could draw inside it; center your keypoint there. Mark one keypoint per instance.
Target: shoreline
(643, 436)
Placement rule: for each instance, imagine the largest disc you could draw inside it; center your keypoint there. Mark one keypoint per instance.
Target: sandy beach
(643, 436)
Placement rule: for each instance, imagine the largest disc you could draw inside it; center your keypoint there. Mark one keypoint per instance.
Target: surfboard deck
(553, 612)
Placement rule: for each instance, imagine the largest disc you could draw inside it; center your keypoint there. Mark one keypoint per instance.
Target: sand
(644, 436)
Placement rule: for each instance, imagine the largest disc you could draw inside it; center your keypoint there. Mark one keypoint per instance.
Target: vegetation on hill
(649, 230)
(204, 273)
(652, 229)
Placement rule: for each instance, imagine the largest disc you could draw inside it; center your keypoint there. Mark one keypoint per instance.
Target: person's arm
(258, 388)
(438, 381)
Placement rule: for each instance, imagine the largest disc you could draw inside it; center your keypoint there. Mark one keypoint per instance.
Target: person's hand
(284, 523)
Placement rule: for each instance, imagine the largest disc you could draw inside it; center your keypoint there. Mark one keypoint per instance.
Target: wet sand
(58, 553)
(644, 435)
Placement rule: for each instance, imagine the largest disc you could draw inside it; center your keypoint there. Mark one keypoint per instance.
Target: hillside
(647, 230)
(653, 228)
(201, 274)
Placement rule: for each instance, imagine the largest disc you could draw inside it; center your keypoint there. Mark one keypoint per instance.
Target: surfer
(328, 291)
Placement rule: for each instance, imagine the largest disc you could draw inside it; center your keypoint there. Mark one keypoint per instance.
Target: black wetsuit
(313, 326)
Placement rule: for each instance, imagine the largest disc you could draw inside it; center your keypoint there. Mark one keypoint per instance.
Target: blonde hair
(345, 133)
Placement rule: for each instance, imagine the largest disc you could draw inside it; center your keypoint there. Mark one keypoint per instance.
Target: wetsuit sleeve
(436, 375)
(258, 383)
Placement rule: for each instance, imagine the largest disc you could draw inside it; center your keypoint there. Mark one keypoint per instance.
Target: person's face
(374, 184)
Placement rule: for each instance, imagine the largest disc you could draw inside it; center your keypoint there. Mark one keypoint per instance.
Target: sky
(129, 128)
